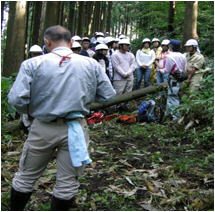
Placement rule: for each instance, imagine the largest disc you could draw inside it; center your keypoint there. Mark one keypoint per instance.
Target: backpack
(150, 111)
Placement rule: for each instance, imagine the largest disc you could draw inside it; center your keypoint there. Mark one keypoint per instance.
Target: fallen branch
(15, 125)
(129, 96)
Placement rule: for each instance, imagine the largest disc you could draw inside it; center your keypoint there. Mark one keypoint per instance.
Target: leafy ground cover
(141, 166)
(135, 167)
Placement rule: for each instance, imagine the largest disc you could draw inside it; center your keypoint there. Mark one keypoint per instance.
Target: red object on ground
(127, 119)
(95, 118)
(109, 117)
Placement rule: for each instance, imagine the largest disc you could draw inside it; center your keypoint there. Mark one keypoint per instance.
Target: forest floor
(140, 166)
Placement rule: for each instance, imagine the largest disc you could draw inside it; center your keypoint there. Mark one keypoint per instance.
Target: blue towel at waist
(76, 141)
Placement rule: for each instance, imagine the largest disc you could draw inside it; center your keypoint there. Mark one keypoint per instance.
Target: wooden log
(11, 126)
(15, 125)
(129, 96)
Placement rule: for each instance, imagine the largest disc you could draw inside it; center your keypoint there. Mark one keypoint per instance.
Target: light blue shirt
(45, 90)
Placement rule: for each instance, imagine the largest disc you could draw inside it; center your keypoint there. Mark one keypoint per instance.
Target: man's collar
(61, 48)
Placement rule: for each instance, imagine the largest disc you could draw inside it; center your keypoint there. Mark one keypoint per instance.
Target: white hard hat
(76, 38)
(155, 39)
(85, 38)
(76, 44)
(100, 34)
(191, 42)
(146, 40)
(101, 46)
(117, 39)
(122, 37)
(124, 41)
(99, 40)
(165, 42)
(108, 40)
(36, 48)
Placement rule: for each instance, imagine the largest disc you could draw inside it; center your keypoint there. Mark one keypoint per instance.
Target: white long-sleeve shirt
(124, 64)
(145, 59)
(175, 61)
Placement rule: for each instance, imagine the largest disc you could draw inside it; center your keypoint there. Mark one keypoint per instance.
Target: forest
(140, 166)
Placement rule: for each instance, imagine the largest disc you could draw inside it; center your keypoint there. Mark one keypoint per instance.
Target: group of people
(56, 85)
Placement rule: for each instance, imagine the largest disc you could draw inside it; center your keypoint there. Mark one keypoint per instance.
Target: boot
(18, 200)
(62, 205)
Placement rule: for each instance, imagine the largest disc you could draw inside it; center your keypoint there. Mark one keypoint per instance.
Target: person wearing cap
(35, 50)
(111, 43)
(145, 57)
(159, 61)
(116, 47)
(124, 65)
(175, 64)
(77, 39)
(56, 90)
(122, 37)
(76, 47)
(157, 49)
(86, 51)
(195, 64)
(99, 40)
(100, 56)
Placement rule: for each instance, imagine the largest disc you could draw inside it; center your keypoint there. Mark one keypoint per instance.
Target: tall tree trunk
(103, 26)
(42, 23)
(190, 20)
(28, 27)
(36, 21)
(52, 13)
(15, 44)
(171, 16)
(126, 20)
(108, 27)
(61, 13)
(84, 18)
(71, 21)
(90, 12)
(96, 18)
(80, 18)
(2, 13)
(50, 16)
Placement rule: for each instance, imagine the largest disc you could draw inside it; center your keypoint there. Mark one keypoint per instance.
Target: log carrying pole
(14, 125)
(129, 96)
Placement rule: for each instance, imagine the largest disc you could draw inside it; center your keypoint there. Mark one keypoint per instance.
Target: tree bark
(52, 16)
(71, 21)
(90, 18)
(36, 21)
(103, 25)
(80, 18)
(61, 13)
(96, 18)
(129, 96)
(171, 16)
(108, 27)
(2, 13)
(15, 44)
(190, 20)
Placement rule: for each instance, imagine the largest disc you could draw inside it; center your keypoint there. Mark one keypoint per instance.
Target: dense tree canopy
(136, 19)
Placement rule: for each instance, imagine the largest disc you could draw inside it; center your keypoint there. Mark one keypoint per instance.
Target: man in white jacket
(145, 58)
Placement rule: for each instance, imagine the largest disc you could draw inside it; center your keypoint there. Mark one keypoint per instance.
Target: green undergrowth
(140, 166)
